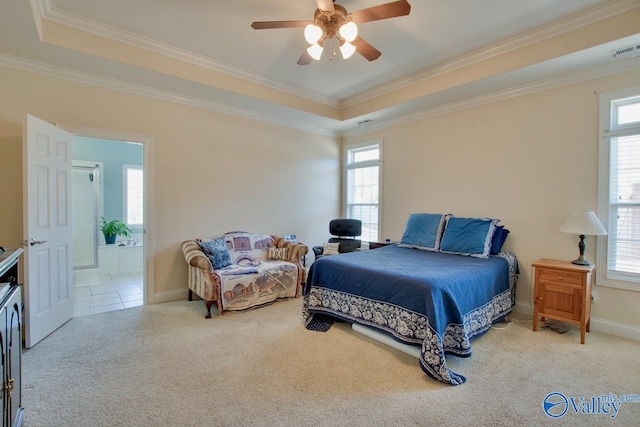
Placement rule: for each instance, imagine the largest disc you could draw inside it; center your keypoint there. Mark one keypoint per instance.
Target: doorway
(108, 182)
(48, 259)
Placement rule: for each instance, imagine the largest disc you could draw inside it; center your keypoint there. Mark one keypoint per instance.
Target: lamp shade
(583, 223)
(349, 31)
(312, 33)
(347, 49)
(315, 51)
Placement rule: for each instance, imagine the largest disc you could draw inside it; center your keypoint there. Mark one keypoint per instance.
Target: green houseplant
(112, 229)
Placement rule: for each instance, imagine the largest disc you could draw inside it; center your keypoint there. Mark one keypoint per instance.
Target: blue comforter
(436, 300)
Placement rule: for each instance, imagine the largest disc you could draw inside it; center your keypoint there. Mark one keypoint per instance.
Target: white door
(48, 281)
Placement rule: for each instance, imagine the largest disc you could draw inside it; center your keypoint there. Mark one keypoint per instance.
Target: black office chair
(346, 231)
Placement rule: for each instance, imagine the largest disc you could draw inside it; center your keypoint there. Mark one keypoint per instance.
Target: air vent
(627, 51)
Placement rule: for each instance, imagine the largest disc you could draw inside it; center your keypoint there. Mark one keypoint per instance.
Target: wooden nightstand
(562, 291)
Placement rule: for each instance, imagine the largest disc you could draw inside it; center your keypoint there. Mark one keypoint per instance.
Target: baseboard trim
(523, 308)
(614, 328)
(597, 325)
(180, 295)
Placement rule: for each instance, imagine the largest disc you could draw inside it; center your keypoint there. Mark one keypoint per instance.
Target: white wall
(529, 161)
(11, 216)
(213, 172)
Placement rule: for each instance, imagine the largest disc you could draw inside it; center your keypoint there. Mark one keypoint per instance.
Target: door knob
(31, 242)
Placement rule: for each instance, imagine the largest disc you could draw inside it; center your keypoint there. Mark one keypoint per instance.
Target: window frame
(125, 195)
(608, 130)
(347, 149)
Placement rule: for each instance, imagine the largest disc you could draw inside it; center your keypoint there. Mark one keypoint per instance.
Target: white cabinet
(120, 259)
(108, 259)
(129, 258)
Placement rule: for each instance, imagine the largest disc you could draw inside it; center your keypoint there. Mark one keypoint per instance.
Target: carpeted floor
(165, 365)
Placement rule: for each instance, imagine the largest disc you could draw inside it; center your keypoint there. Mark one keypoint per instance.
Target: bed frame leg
(190, 296)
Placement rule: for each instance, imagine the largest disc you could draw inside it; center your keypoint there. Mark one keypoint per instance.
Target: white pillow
(330, 248)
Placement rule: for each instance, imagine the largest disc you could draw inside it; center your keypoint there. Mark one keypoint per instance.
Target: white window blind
(622, 152)
(134, 196)
(624, 216)
(363, 188)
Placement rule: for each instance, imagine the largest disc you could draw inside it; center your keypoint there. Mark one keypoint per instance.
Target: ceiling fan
(332, 21)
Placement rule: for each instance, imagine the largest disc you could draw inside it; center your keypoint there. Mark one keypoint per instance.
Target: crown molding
(544, 32)
(107, 83)
(42, 7)
(50, 13)
(38, 8)
(121, 86)
(611, 8)
(526, 89)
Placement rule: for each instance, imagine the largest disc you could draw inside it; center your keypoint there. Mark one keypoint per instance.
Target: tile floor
(95, 294)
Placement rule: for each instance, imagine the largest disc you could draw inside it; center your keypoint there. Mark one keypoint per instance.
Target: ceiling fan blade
(305, 58)
(384, 11)
(366, 50)
(325, 5)
(266, 25)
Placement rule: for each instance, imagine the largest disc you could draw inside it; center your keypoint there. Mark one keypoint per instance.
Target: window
(133, 195)
(362, 181)
(619, 195)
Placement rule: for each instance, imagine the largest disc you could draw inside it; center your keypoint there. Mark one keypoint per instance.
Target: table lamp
(583, 223)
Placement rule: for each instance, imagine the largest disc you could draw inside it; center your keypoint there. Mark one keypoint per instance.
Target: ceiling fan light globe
(349, 31)
(315, 51)
(347, 49)
(312, 33)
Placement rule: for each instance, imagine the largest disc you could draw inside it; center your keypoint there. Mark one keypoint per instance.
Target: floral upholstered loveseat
(240, 270)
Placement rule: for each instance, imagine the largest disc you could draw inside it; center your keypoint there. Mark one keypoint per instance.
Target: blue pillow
(423, 231)
(468, 236)
(498, 239)
(217, 252)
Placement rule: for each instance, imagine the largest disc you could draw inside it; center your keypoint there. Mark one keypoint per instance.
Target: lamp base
(581, 262)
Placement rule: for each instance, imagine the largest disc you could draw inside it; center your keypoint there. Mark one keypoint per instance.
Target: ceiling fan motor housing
(330, 22)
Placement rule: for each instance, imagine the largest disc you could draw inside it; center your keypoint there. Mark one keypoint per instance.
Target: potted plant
(112, 229)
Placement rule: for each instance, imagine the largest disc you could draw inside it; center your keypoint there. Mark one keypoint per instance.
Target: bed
(427, 296)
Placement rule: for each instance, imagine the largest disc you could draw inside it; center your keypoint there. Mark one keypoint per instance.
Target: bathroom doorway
(108, 182)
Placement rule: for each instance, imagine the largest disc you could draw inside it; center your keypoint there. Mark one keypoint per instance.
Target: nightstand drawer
(561, 276)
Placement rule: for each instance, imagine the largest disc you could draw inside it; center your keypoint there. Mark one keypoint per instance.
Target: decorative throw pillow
(330, 248)
(217, 252)
(468, 236)
(498, 239)
(279, 254)
(423, 231)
